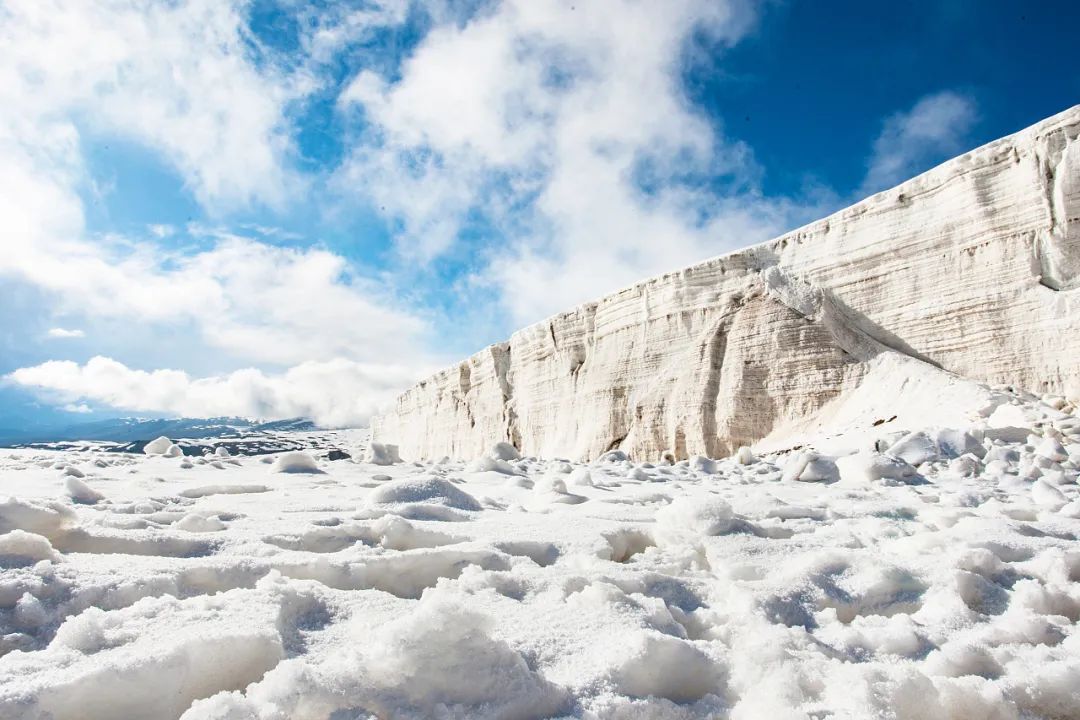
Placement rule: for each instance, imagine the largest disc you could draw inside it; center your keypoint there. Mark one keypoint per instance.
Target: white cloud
(64, 333)
(173, 76)
(333, 393)
(177, 78)
(547, 119)
(81, 408)
(258, 302)
(934, 129)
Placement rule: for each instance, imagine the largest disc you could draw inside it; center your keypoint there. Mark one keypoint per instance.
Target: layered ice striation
(898, 309)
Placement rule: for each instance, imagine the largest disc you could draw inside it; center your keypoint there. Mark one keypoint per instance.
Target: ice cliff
(904, 307)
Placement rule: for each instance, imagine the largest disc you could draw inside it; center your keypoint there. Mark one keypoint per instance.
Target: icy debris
(80, 492)
(25, 546)
(486, 463)
(745, 456)
(197, 523)
(382, 454)
(703, 464)
(160, 446)
(1045, 494)
(872, 467)
(1052, 449)
(296, 462)
(580, 476)
(504, 451)
(689, 674)
(222, 452)
(809, 466)
(695, 517)
(427, 490)
(47, 518)
(915, 449)
(953, 443)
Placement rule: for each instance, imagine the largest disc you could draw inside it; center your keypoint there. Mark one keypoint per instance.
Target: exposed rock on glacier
(894, 311)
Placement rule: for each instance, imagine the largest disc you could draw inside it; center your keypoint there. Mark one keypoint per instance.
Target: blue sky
(281, 208)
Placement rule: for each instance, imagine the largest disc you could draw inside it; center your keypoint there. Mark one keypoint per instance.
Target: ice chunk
(688, 674)
(486, 463)
(703, 464)
(915, 448)
(50, 519)
(26, 547)
(80, 492)
(382, 454)
(745, 456)
(158, 447)
(1052, 449)
(1045, 494)
(954, 443)
(810, 467)
(194, 522)
(296, 462)
(504, 451)
(872, 467)
(695, 517)
(423, 490)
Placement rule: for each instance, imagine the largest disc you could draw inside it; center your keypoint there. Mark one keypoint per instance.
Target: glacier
(903, 308)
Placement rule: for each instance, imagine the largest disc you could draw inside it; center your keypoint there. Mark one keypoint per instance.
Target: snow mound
(695, 517)
(25, 547)
(873, 467)
(296, 462)
(80, 492)
(160, 446)
(423, 490)
(504, 451)
(382, 454)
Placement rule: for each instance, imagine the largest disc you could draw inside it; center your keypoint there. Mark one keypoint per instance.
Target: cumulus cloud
(333, 393)
(181, 80)
(64, 333)
(259, 302)
(175, 77)
(565, 128)
(933, 129)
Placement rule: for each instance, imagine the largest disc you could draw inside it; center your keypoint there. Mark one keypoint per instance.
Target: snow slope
(876, 574)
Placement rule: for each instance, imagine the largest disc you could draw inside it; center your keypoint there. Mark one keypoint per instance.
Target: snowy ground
(940, 579)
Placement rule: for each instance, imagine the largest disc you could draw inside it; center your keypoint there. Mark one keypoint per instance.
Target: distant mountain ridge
(135, 429)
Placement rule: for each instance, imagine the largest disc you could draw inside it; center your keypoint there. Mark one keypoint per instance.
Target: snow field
(928, 574)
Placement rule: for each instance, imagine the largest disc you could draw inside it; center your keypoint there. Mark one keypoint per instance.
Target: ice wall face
(971, 269)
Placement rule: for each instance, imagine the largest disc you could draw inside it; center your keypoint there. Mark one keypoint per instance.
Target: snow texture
(834, 580)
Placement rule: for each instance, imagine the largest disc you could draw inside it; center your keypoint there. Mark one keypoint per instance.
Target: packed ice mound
(382, 454)
(423, 498)
(163, 446)
(296, 462)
